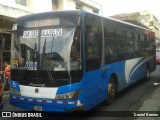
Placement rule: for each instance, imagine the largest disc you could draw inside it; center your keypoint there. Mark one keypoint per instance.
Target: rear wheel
(147, 74)
(111, 91)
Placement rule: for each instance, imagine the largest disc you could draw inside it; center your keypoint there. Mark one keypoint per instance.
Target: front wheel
(111, 91)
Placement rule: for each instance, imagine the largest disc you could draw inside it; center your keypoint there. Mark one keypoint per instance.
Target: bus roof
(120, 21)
(127, 23)
(65, 12)
(46, 14)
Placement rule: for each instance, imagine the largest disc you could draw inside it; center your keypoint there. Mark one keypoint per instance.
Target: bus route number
(30, 34)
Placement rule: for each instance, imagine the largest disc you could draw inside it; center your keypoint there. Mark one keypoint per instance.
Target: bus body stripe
(129, 65)
(43, 100)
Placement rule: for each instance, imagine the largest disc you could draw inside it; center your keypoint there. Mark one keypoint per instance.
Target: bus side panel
(135, 69)
(96, 83)
(127, 73)
(117, 69)
(91, 82)
(152, 63)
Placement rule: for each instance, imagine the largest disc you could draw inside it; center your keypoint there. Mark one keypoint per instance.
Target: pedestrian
(7, 75)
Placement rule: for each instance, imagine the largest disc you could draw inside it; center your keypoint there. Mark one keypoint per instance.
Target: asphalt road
(129, 99)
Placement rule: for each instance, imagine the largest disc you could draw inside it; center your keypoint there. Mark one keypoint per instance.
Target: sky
(112, 7)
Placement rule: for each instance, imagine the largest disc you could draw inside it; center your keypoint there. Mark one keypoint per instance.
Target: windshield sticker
(15, 63)
(14, 27)
(30, 34)
(51, 33)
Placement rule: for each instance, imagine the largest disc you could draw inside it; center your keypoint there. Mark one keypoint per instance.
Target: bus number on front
(30, 34)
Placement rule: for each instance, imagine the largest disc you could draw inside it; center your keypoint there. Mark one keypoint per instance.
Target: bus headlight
(69, 95)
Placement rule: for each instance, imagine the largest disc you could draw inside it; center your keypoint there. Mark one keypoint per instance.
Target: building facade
(151, 21)
(89, 5)
(11, 9)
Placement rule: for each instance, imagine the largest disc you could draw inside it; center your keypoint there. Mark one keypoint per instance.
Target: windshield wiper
(50, 76)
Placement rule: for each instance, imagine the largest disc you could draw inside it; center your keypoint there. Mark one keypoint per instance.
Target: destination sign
(51, 32)
(44, 33)
(42, 22)
(30, 34)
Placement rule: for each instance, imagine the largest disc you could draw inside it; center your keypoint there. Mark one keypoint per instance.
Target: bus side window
(110, 40)
(93, 41)
(89, 49)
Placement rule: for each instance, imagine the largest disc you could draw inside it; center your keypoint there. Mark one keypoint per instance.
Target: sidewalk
(152, 104)
(5, 92)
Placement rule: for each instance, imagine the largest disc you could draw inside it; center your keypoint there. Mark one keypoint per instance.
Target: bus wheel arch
(112, 88)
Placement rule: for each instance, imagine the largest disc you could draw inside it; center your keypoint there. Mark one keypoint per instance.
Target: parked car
(1, 94)
(158, 57)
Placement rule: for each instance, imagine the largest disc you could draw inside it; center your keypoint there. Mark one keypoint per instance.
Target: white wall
(87, 8)
(94, 3)
(11, 9)
(71, 5)
(10, 3)
(67, 5)
(37, 6)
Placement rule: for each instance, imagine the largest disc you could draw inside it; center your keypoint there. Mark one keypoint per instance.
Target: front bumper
(45, 104)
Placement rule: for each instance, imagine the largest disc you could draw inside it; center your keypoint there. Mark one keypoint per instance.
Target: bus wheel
(147, 74)
(111, 91)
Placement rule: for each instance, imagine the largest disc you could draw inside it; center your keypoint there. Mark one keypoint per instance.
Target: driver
(75, 55)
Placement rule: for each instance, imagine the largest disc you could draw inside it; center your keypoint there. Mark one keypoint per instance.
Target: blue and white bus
(108, 56)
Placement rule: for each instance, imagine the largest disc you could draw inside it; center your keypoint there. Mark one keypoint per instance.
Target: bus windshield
(46, 53)
(51, 52)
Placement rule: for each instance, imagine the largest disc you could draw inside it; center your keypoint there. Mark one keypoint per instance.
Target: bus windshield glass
(47, 51)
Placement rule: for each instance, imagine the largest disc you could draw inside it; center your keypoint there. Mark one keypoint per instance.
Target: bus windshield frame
(42, 51)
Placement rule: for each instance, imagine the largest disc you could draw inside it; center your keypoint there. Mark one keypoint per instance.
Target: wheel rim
(148, 74)
(111, 90)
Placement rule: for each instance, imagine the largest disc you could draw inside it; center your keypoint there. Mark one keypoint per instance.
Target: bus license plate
(37, 108)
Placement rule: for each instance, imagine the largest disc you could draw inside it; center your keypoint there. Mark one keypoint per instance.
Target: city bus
(74, 60)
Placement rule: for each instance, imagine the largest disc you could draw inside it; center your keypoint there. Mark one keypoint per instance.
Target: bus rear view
(43, 72)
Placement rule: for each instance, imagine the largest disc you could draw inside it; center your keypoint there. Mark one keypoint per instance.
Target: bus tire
(147, 74)
(111, 89)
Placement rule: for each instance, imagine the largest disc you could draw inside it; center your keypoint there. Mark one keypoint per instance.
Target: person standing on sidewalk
(7, 74)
